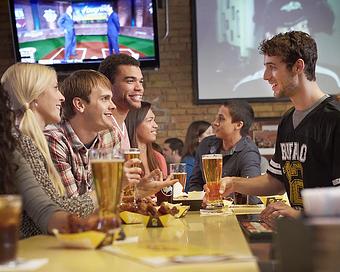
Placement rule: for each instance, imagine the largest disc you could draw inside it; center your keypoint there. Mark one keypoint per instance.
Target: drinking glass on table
(107, 171)
(10, 215)
(212, 170)
(178, 170)
(129, 192)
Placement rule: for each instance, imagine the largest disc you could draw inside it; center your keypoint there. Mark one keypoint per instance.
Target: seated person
(196, 132)
(87, 110)
(241, 156)
(172, 150)
(34, 94)
(142, 130)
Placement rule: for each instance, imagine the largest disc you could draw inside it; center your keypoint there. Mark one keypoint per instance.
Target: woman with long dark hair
(196, 132)
(142, 130)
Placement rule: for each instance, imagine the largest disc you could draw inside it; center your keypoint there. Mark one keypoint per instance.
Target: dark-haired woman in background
(196, 132)
(142, 130)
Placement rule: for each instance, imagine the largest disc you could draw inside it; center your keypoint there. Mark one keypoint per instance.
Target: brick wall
(170, 89)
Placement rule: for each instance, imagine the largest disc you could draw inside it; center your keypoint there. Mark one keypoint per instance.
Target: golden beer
(182, 177)
(132, 153)
(107, 176)
(130, 190)
(212, 170)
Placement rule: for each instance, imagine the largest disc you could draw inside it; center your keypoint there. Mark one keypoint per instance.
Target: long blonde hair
(24, 82)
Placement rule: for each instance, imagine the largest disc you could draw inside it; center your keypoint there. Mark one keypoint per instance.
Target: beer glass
(178, 170)
(10, 214)
(129, 192)
(107, 171)
(212, 170)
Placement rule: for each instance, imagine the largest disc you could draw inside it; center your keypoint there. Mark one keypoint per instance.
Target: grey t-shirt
(299, 115)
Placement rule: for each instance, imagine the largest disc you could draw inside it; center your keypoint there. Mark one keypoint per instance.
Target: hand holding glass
(178, 170)
(129, 192)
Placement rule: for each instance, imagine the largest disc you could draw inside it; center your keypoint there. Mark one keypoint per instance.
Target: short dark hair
(109, 66)
(80, 84)
(240, 110)
(291, 46)
(175, 144)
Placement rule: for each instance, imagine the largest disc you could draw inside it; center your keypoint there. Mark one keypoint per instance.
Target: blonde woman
(36, 100)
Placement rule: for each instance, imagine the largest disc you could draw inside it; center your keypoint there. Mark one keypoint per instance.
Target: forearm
(260, 185)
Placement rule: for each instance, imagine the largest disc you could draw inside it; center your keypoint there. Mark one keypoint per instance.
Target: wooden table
(221, 233)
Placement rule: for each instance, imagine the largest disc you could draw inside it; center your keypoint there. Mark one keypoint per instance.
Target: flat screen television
(73, 34)
(227, 34)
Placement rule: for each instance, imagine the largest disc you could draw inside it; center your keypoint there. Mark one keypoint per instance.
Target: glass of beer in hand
(107, 171)
(10, 211)
(212, 170)
(129, 192)
(178, 170)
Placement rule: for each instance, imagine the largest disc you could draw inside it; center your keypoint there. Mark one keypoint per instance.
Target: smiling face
(147, 130)
(128, 90)
(283, 81)
(98, 113)
(48, 104)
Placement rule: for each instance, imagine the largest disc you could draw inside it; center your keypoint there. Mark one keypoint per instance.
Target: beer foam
(107, 160)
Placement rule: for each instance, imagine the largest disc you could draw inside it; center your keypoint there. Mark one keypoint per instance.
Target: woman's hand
(131, 174)
(153, 183)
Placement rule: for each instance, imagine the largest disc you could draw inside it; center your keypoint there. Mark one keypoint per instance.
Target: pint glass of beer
(10, 211)
(107, 171)
(212, 170)
(129, 192)
(178, 170)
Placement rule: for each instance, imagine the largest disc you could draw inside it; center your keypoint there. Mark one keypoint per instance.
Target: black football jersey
(309, 155)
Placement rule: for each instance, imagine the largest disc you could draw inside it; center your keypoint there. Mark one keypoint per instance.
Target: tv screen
(228, 33)
(72, 35)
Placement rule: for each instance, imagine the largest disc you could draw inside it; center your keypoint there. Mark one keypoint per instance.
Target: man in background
(65, 22)
(172, 150)
(126, 79)
(113, 29)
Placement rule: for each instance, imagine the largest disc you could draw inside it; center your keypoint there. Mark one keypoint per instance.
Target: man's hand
(227, 186)
(154, 182)
(131, 174)
(275, 210)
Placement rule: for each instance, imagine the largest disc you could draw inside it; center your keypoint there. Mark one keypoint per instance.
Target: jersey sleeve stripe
(274, 171)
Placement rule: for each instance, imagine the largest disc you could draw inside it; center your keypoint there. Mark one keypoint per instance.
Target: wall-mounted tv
(227, 34)
(73, 34)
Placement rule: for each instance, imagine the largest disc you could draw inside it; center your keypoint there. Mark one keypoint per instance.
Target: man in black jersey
(309, 133)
